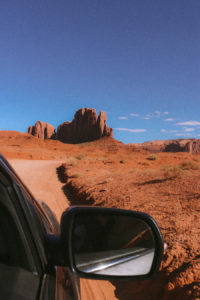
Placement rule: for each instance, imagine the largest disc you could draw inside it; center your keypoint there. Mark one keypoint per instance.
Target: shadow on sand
(73, 194)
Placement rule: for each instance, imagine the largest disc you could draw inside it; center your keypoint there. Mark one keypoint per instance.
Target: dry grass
(72, 161)
(172, 171)
(153, 157)
(149, 171)
(189, 165)
(101, 158)
(133, 171)
(80, 156)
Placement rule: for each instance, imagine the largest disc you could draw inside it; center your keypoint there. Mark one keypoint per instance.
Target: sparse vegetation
(143, 163)
(172, 171)
(189, 165)
(153, 157)
(133, 171)
(72, 161)
(109, 179)
(149, 170)
(101, 158)
(80, 156)
(178, 170)
(197, 159)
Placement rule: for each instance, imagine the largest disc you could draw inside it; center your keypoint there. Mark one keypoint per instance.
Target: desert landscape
(100, 107)
(106, 172)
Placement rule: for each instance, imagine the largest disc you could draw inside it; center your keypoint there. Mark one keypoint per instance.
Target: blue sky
(138, 60)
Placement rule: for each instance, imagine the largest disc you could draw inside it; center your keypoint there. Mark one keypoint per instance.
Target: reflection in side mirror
(112, 244)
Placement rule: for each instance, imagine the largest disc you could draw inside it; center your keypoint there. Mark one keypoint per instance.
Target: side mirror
(105, 243)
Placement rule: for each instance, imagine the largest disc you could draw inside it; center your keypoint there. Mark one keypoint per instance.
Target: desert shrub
(189, 165)
(72, 161)
(149, 171)
(172, 171)
(109, 179)
(101, 158)
(133, 171)
(196, 159)
(80, 156)
(152, 157)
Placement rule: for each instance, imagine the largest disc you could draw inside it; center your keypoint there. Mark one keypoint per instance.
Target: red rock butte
(85, 127)
(42, 130)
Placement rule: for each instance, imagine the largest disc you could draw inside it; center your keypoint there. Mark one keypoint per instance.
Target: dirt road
(41, 178)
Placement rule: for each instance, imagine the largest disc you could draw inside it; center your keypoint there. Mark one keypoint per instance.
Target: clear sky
(138, 60)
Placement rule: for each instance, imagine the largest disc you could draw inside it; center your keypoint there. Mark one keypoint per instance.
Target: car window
(12, 251)
(18, 278)
(39, 216)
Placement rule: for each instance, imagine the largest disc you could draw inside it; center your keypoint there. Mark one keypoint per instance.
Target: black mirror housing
(109, 243)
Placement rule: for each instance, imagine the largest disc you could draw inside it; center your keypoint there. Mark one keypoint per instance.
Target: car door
(67, 283)
(23, 230)
(20, 268)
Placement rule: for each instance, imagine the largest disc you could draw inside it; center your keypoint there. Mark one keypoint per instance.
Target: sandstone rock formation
(191, 146)
(85, 127)
(42, 130)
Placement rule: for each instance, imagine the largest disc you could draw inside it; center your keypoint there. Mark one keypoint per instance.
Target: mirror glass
(112, 244)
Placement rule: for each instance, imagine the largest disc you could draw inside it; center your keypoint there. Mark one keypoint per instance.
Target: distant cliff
(85, 127)
(181, 145)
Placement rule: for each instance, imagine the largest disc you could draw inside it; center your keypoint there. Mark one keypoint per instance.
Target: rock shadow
(154, 181)
(183, 267)
(73, 194)
(61, 173)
